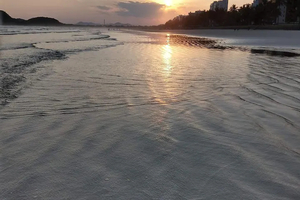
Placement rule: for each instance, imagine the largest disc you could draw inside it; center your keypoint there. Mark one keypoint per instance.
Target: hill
(45, 21)
(6, 19)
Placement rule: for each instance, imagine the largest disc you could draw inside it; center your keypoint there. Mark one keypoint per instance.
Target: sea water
(90, 113)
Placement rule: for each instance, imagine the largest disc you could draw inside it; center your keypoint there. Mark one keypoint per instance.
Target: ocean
(95, 113)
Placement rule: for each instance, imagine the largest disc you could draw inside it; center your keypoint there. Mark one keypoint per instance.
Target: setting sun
(168, 2)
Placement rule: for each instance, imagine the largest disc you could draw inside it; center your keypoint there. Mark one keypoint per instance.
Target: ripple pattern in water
(151, 119)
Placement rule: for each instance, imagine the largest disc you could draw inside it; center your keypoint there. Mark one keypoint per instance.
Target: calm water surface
(140, 116)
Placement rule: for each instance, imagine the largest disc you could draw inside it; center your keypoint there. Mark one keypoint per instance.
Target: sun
(168, 2)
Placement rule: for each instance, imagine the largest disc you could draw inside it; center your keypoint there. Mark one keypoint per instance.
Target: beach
(98, 114)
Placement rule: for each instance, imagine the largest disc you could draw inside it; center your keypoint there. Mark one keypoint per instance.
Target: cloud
(103, 7)
(138, 9)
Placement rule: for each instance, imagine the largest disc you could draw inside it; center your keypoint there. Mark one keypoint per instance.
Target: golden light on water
(167, 55)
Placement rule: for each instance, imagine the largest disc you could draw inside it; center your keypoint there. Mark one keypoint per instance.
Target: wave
(14, 71)
(19, 60)
(15, 46)
(75, 46)
(13, 31)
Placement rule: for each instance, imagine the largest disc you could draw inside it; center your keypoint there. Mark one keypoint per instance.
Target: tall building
(213, 6)
(223, 4)
(256, 2)
(281, 19)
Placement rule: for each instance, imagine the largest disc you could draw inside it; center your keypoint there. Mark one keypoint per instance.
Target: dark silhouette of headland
(6, 19)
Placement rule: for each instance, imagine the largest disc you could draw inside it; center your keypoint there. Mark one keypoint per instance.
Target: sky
(136, 12)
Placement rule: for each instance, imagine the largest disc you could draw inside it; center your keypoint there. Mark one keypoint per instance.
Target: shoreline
(292, 27)
(214, 40)
(248, 27)
(265, 39)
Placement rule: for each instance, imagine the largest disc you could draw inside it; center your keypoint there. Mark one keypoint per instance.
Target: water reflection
(161, 74)
(167, 55)
(163, 95)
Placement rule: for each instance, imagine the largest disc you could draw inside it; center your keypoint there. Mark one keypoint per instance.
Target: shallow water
(144, 117)
(281, 39)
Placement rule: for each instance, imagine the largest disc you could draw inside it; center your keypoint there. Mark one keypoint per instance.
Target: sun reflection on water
(167, 55)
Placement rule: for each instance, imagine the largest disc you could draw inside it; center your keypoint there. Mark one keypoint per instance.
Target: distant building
(213, 6)
(199, 12)
(223, 4)
(256, 2)
(195, 13)
(281, 19)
